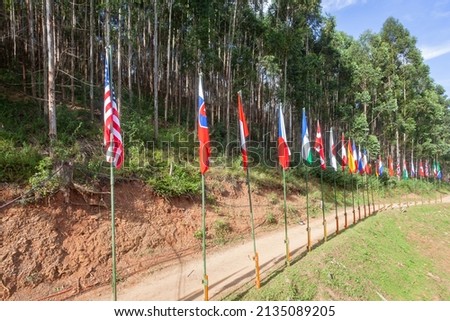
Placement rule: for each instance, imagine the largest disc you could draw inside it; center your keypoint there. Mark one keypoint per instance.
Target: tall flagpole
(345, 201)
(323, 209)
(336, 206)
(286, 240)
(308, 228)
(113, 227)
(113, 219)
(256, 257)
(205, 276)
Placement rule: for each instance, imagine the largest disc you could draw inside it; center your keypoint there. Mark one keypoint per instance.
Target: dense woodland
(376, 89)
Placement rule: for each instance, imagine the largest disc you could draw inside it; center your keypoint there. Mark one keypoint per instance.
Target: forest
(376, 89)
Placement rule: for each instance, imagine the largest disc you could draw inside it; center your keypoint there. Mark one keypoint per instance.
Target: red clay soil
(61, 247)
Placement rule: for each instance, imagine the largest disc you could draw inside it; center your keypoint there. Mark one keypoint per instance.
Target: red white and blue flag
(202, 130)
(283, 149)
(112, 137)
(243, 129)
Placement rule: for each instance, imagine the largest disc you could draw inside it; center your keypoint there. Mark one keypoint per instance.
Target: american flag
(112, 137)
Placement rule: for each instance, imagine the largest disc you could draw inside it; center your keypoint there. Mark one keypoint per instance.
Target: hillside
(61, 247)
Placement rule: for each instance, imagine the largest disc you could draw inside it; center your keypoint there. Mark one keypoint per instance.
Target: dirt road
(227, 268)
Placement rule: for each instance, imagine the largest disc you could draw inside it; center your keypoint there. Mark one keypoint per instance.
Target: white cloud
(336, 5)
(430, 52)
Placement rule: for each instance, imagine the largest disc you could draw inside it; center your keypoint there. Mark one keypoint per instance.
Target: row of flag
(352, 156)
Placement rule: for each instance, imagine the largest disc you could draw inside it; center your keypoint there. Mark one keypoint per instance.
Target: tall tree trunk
(119, 63)
(51, 72)
(72, 56)
(130, 55)
(91, 58)
(169, 39)
(32, 40)
(155, 68)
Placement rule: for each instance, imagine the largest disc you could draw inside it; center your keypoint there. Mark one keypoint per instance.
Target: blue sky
(427, 20)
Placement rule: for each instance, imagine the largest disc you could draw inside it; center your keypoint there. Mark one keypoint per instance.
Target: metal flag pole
(323, 209)
(113, 219)
(335, 206)
(205, 276)
(286, 240)
(256, 257)
(308, 228)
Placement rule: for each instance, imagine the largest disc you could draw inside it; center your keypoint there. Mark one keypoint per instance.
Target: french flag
(203, 132)
(243, 129)
(283, 148)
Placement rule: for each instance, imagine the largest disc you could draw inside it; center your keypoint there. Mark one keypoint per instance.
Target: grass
(393, 256)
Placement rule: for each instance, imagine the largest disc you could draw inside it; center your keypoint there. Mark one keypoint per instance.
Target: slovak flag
(203, 132)
(243, 129)
(318, 146)
(283, 149)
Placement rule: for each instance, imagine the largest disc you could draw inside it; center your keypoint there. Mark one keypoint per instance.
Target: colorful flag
(332, 151)
(243, 129)
(344, 154)
(283, 148)
(351, 160)
(355, 157)
(390, 166)
(421, 171)
(398, 169)
(306, 147)
(380, 167)
(318, 146)
(405, 170)
(434, 169)
(427, 169)
(365, 162)
(112, 137)
(439, 172)
(202, 130)
(413, 170)
(360, 161)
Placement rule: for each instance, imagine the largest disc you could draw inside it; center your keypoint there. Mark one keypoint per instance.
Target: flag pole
(336, 206)
(323, 208)
(205, 276)
(357, 198)
(308, 228)
(256, 257)
(286, 240)
(113, 219)
(364, 198)
(113, 226)
(345, 201)
(353, 198)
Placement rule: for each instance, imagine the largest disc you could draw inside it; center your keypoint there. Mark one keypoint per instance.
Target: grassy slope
(395, 256)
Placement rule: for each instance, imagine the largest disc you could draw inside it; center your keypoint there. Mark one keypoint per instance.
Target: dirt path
(227, 268)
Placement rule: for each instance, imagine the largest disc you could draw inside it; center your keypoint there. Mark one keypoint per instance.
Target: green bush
(183, 181)
(17, 164)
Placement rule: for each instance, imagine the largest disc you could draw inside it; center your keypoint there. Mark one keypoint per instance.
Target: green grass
(393, 256)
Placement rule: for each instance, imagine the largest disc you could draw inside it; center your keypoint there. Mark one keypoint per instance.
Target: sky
(427, 20)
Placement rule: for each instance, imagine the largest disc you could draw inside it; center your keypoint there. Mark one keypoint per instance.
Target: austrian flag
(112, 137)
